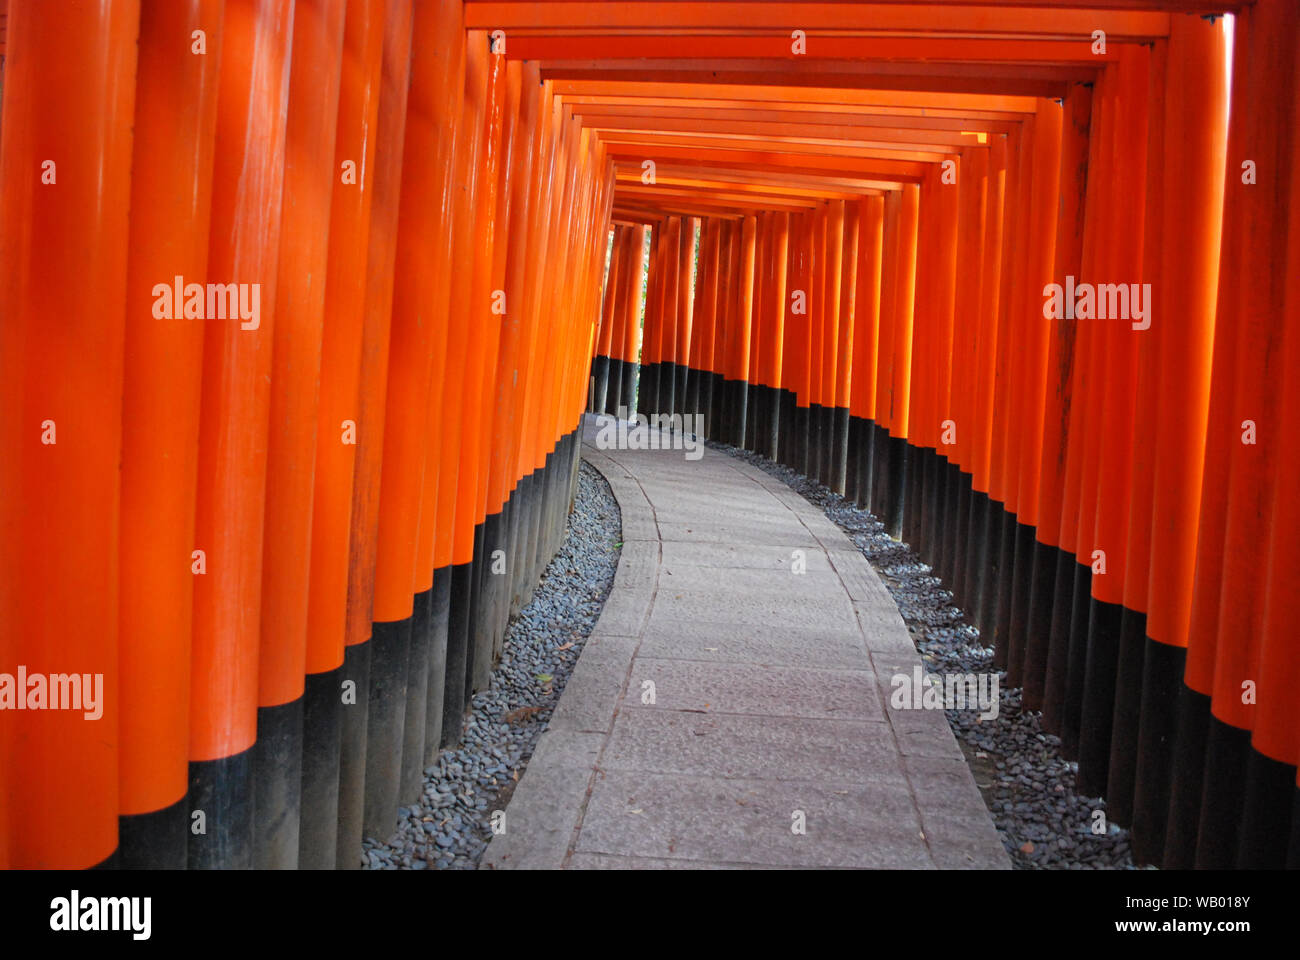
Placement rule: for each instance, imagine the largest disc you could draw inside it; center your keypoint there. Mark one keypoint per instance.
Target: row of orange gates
(267, 530)
(1108, 480)
(301, 304)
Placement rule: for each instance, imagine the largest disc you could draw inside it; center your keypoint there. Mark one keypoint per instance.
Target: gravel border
(451, 825)
(1027, 785)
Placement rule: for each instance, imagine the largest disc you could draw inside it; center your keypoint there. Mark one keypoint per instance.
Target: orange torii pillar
(837, 387)
(548, 453)
(1079, 511)
(737, 376)
(866, 333)
(1029, 385)
(291, 439)
(772, 355)
(1234, 766)
(981, 541)
(829, 253)
(502, 125)
(967, 320)
(1114, 468)
(1000, 523)
(685, 313)
(919, 513)
(795, 334)
(605, 334)
(1194, 142)
(977, 374)
(623, 250)
(248, 175)
(518, 199)
(65, 174)
(933, 429)
(1122, 770)
(724, 309)
(472, 293)
(669, 305)
(175, 104)
(1010, 399)
(898, 372)
(539, 440)
(890, 252)
(1064, 498)
(630, 358)
(1052, 570)
(530, 176)
(757, 331)
(1066, 425)
(725, 334)
(546, 167)
(704, 316)
(433, 99)
(426, 653)
(652, 332)
(816, 328)
(371, 407)
(337, 424)
(1271, 780)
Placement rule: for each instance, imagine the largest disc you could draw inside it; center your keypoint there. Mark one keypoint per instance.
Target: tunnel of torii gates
(301, 306)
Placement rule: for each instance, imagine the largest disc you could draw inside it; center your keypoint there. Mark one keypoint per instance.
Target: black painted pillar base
(787, 428)
(899, 453)
(1038, 623)
(458, 625)
(1021, 575)
(1058, 642)
(479, 665)
(839, 468)
(277, 786)
(599, 373)
(614, 391)
(222, 792)
(322, 727)
(816, 441)
(1227, 752)
(631, 380)
(1098, 697)
(1162, 673)
(739, 406)
(354, 694)
(417, 699)
(1076, 661)
(1006, 551)
(155, 840)
(866, 457)
(976, 561)
(802, 441)
(773, 424)
(389, 654)
(1125, 717)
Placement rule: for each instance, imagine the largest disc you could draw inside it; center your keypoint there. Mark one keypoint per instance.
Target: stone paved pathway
(724, 699)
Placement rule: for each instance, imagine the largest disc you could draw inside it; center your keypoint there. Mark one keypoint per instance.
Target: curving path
(770, 706)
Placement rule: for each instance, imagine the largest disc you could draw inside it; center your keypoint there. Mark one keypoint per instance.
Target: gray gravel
(451, 826)
(1026, 783)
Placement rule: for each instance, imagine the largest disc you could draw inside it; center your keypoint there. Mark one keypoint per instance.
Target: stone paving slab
(762, 689)
(749, 821)
(728, 712)
(711, 641)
